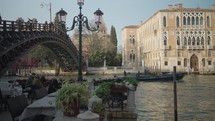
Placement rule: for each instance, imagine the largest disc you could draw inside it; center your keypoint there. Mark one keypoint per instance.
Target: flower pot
(101, 117)
(132, 87)
(75, 108)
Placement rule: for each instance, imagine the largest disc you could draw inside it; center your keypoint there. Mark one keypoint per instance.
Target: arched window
(209, 40)
(184, 20)
(165, 41)
(208, 21)
(185, 41)
(177, 21)
(193, 20)
(203, 62)
(188, 20)
(201, 21)
(185, 62)
(164, 21)
(202, 41)
(178, 40)
(197, 20)
(133, 41)
(193, 41)
(198, 41)
(132, 56)
(189, 41)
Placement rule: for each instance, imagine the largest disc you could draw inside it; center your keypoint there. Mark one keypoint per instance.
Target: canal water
(154, 100)
(195, 97)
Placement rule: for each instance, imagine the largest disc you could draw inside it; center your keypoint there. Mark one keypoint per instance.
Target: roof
(131, 26)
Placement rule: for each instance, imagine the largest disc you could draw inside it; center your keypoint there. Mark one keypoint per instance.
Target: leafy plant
(69, 93)
(131, 81)
(99, 108)
(103, 91)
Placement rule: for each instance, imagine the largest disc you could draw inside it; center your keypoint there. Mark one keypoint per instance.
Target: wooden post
(175, 94)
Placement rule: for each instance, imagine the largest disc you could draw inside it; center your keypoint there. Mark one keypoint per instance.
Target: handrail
(6, 25)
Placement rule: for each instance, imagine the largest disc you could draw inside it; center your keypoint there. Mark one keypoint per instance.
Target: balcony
(179, 47)
(165, 47)
(210, 47)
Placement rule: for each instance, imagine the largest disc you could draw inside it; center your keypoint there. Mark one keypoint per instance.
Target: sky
(119, 13)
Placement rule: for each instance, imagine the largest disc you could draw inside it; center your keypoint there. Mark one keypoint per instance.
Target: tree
(43, 54)
(113, 39)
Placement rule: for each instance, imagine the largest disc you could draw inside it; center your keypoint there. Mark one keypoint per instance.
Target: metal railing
(20, 26)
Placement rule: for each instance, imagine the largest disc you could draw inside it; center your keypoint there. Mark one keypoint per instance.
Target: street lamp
(81, 21)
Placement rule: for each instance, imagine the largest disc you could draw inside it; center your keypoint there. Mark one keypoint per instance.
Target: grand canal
(196, 99)
(154, 100)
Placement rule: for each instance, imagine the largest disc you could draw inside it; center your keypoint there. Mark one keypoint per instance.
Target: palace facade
(176, 36)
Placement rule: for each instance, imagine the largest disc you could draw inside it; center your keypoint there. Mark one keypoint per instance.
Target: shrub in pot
(71, 96)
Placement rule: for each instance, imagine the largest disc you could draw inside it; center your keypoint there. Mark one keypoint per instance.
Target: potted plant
(103, 91)
(131, 83)
(70, 97)
(99, 108)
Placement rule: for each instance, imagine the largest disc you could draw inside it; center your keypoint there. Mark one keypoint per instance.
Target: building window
(166, 63)
(209, 53)
(132, 40)
(185, 41)
(202, 41)
(193, 40)
(197, 20)
(177, 21)
(184, 20)
(208, 21)
(178, 40)
(209, 40)
(188, 20)
(209, 62)
(164, 21)
(198, 41)
(185, 62)
(179, 63)
(165, 54)
(201, 21)
(132, 57)
(189, 41)
(193, 20)
(203, 62)
(179, 54)
(165, 41)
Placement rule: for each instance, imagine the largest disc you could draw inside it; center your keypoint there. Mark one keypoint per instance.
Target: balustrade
(6, 25)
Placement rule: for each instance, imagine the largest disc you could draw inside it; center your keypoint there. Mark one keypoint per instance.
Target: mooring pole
(175, 94)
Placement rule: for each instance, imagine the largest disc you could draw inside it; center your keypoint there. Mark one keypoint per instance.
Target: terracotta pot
(101, 117)
(75, 106)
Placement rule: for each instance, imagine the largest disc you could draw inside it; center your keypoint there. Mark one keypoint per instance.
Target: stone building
(176, 36)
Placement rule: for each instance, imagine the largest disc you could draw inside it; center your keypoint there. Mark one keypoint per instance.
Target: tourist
(37, 83)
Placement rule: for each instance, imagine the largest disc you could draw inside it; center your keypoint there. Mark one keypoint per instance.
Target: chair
(40, 93)
(17, 105)
(3, 101)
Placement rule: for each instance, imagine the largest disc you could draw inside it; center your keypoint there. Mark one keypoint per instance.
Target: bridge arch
(15, 43)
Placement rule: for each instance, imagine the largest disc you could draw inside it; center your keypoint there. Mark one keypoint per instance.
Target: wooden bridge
(18, 37)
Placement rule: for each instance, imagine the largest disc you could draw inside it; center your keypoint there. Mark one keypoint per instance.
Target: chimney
(179, 5)
(170, 7)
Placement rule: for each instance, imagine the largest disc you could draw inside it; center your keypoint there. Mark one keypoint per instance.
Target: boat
(160, 77)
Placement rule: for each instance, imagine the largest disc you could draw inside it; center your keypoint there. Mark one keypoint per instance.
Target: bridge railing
(19, 26)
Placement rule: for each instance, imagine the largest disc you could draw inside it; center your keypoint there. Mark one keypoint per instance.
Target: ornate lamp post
(80, 20)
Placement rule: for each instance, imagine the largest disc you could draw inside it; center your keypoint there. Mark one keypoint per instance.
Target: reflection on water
(196, 99)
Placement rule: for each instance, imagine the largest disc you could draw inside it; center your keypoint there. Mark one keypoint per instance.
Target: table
(45, 106)
(9, 90)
